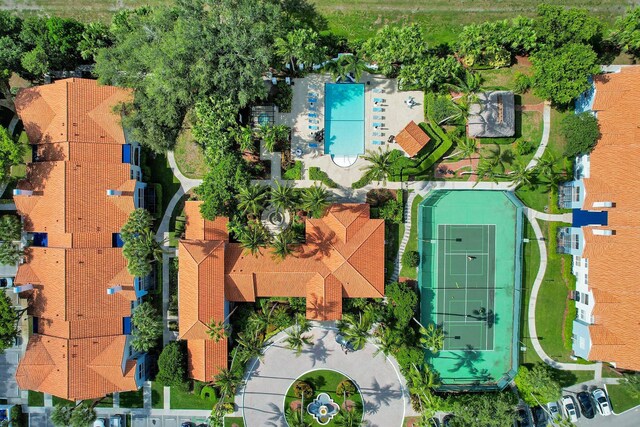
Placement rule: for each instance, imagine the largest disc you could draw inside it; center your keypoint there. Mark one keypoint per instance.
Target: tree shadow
(383, 395)
(319, 353)
(467, 359)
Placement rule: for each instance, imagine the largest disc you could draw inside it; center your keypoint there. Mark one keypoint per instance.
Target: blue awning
(126, 153)
(126, 325)
(116, 240)
(582, 218)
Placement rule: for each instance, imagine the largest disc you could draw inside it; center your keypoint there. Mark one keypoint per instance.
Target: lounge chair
(312, 115)
(378, 134)
(378, 100)
(274, 81)
(377, 117)
(377, 124)
(312, 100)
(378, 109)
(314, 121)
(287, 80)
(313, 127)
(312, 108)
(377, 90)
(312, 95)
(313, 145)
(376, 142)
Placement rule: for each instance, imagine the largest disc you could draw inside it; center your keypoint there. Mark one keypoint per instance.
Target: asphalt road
(630, 418)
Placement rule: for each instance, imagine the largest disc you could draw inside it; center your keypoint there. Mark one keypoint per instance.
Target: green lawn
(412, 244)
(160, 173)
(189, 155)
(132, 399)
(233, 422)
(157, 395)
(323, 380)
(359, 19)
(187, 400)
(64, 402)
(622, 397)
(35, 398)
(106, 402)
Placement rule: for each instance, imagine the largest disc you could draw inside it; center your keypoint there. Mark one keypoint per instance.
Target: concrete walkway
(383, 389)
(531, 319)
(405, 237)
(546, 129)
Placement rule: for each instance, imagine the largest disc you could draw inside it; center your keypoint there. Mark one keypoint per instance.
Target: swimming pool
(344, 119)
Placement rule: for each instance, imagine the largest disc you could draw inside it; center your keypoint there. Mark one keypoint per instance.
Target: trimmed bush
(294, 172)
(581, 132)
(172, 366)
(302, 387)
(411, 259)
(522, 83)
(207, 393)
(391, 211)
(345, 387)
(317, 174)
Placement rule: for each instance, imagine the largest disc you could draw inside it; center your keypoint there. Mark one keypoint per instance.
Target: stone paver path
(383, 390)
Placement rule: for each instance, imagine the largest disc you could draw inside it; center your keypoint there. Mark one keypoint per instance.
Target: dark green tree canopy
(147, 327)
(8, 317)
(581, 132)
(11, 153)
(557, 26)
(626, 32)
(172, 365)
(221, 185)
(561, 75)
(402, 302)
(395, 46)
(537, 384)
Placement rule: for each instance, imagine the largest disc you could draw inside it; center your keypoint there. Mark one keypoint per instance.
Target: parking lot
(164, 420)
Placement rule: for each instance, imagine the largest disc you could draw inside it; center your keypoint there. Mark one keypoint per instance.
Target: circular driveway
(384, 393)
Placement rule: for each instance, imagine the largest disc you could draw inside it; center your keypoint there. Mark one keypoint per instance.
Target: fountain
(323, 408)
(274, 220)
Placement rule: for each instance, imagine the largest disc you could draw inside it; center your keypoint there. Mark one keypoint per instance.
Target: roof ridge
(191, 243)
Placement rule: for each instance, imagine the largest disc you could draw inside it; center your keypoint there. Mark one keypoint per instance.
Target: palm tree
(357, 330)
(316, 200)
(348, 419)
(388, 339)
(487, 169)
(269, 136)
(468, 84)
(251, 343)
(253, 238)
(337, 70)
(296, 339)
(217, 330)
(227, 381)
(283, 197)
(258, 322)
(283, 244)
(521, 176)
(431, 338)
(380, 164)
(252, 199)
(296, 418)
(353, 64)
(10, 227)
(467, 147)
(287, 47)
(245, 136)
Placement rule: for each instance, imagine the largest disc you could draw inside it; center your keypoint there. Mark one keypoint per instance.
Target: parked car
(586, 405)
(554, 411)
(447, 420)
(116, 421)
(540, 417)
(186, 424)
(602, 402)
(569, 408)
(100, 422)
(523, 420)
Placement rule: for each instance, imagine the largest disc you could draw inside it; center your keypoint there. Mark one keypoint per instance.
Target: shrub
(408, 356)
(197, 387)
(302, 387)
(346, 387)
(317, 174)
(172, 366)
(391, 211)
(581, 132)
(442, 108)
(294, 172)
(522, 83)
(364, 180)
(411, 259)
(523, 147)
(207, 393)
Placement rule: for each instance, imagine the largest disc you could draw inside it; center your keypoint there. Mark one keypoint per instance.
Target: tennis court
(466, 281)
(469, 243)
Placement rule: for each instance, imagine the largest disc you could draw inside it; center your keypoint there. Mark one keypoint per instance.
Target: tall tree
(626, 32)
(315, 200)
(172, 365)
(96, 36)
(283, 197)
(283, 244)
(11, 51)
(83, 415)
(432, 338)
(484, 410)
(557, 26)
(537, 385)
(175, 55)
(253, 238)
(141, 249)
(296, 339)
(61, 415)
(221, 185)
(354, 65)
(380, 165)
(402, 303)
(252, 199)
(10, 228)
(147, 327)
(227, 381)
(357, 329)
(396, 46)
(300, 46)
(521, 176)
(8, 323)
(561, 74)
(11, 153)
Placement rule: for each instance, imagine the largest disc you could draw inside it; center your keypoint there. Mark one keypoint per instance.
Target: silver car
(569, 408)
(602, 403)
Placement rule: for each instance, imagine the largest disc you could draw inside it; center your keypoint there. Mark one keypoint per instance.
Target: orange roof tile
(205, 358)
(412, 139)
(613, 178)
(72, 110)
(198, 228)
(76, 369)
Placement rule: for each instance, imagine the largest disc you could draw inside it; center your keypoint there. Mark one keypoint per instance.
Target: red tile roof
(412, 139)
(613, 275)
(343, 256)
(80, 351)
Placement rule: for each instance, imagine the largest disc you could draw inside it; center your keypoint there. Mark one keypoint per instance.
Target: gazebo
(412, 139)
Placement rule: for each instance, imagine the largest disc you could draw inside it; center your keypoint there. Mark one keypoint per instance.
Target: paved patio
(384, 393)
(394, 117)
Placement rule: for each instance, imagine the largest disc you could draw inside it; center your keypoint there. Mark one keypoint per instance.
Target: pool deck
(396, 115)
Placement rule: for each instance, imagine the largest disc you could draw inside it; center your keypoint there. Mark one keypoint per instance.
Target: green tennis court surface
(469, 243)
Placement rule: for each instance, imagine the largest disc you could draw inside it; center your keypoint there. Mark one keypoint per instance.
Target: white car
(602, 403)
(569, 408)
(115, 421)
(554, 411)
(100, 422)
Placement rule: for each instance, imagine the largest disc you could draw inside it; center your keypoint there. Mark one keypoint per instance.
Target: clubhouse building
(604, 238)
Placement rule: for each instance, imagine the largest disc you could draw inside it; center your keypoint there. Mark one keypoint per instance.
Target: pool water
(344, 119)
